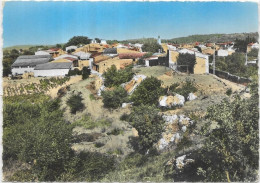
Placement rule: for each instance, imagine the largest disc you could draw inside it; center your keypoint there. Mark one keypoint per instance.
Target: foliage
(229, 91)
(115, 78)
(241, 44)
(148, 92)
(253, 53)
(88, 123)
(151, 46)
(149, 124)
(114, 98)
(74, 72)
(75, 103)
(85, 72)
(235, 64)
(77, 40)
(37, 135)
(186, 88)
(116, 131)
(188, 60)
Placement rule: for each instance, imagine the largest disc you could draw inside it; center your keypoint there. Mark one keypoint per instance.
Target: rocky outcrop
(131, 85)
(171, 101)
(191, 97)
(175, 126)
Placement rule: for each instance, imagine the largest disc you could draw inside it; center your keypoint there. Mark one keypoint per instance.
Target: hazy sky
(56, 22)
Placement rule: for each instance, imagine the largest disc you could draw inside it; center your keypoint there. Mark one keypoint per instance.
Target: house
(71, 48)
(222, 53)
(202, 60)
(42, 52)
(82, 55)
(110, 52)
(103, 41)
(158, 59)
(251, 46)
(102, 65)
(208, 50)
(52, 69)
(27, 63)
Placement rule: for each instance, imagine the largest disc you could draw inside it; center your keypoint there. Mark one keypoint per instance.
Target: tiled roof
(53, 65)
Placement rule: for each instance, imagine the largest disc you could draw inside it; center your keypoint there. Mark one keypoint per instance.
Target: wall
(52, 72)
(231, 77)
(119, 63)
(201, 66)
(21, 70)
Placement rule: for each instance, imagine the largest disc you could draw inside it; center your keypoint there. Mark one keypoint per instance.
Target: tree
(185, 60)
(114, 99)
(241, 44)
(98, 40)
(149, 124)
(41, 140)
(114, 77)
(75, 103)
(77, 40)
(148, 92)
(152, 46)
(58, 46)
(253, 53)
(85, 72)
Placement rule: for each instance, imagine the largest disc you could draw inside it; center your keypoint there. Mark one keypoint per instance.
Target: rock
(181, 162)
(170, 101)
(135, 132)
(124, 105)
(184, 128)
(162, 101)
(191, 97)
(169, 119)
(162, 143)
(131, 85)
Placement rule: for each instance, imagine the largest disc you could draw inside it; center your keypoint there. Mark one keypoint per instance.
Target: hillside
(212, 37)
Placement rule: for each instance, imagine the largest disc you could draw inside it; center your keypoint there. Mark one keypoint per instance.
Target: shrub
(187, 87)
(115, 78)
(148, 92)
(115, 131)
(114, 99)
(99, 144)
(75, 103)
(92, 97)
(85, 72)
(74, 72)
(229, 91)
(124, 117)
(149, 124)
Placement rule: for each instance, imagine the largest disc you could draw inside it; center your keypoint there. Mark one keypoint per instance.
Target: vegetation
(75, 103)
(186, 88)
(114, 77)
(89, 123)
(77, 40)
(151, 46)
(74, 72)
(148, 92)
(235, 64)
(229, 91)
(253, 53)
(85, 72)
(149, 124)
(114, 98)
(186, 62)
(241, 44)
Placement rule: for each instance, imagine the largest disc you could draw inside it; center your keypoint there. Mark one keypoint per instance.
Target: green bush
(186, 88)
(74, 72)
(149, 124)
(116, 131)
(75, 103)
(115, 78)
(85, 72)
(124, 117)
(229, 91)
(148, 92)
(114, 99)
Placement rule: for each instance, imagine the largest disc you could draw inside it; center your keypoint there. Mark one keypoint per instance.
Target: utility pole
(246, 57)
(214, 59)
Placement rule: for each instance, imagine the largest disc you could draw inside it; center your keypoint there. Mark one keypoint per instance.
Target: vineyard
(43, 86)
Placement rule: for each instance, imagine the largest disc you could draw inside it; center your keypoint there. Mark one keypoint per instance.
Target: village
(101, 104)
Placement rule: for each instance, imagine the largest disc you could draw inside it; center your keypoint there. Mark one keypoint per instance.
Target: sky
(30, 23)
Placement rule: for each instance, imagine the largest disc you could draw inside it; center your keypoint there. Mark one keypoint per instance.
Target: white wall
(21, 70)
(52, 72)
(222, 53)
(41, 53)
